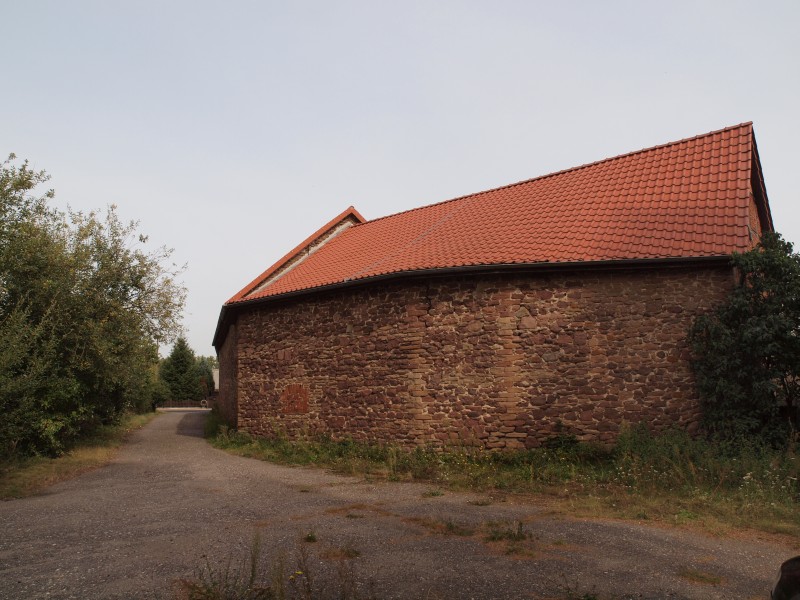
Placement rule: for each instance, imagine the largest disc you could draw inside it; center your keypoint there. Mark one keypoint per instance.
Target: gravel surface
(170, 501)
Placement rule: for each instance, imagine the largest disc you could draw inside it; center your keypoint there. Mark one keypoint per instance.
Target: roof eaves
(606, 264)
(220, 332)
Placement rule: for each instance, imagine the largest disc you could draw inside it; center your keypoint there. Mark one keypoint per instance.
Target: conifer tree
(179, 372)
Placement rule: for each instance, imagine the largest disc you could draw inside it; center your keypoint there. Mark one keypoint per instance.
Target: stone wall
(226, 398)
(504, 361)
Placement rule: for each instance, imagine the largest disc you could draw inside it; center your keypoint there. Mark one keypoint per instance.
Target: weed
(453, 528)
(310, 537)
(481, 502)
(499, 532)
(258, 578)
(213, 424)
(245, 583)
(572, 590)
(446, 527)
(684, 515)
(433, 493)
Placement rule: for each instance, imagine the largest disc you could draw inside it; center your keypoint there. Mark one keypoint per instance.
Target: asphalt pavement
(170, 503)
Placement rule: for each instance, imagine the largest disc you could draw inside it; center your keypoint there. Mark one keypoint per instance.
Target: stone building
(555, 305)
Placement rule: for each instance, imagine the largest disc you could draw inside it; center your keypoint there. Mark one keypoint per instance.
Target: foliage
(186, 376)
(205, 366)
(22, 476)
(82, 309)
(746, 354)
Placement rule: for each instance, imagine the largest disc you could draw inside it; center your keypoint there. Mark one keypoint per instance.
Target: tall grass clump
(260, 576)
(747, 468)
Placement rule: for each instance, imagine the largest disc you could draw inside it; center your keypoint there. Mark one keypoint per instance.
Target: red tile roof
(685, 199)
(323, 234)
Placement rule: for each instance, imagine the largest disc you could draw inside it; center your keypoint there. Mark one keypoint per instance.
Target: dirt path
(169, 499)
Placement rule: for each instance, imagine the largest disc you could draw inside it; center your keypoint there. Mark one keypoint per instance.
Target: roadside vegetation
(670, 478)
(84, 305)
(22, 476)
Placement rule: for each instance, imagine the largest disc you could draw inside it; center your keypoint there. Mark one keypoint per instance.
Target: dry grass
(697, 576)
(27, 477)
(714, 514)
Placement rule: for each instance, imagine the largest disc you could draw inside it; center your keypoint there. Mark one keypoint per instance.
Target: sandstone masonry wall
(226, 398)
(504, 361)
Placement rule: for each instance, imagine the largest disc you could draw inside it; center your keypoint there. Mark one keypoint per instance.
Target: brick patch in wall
(294, 399)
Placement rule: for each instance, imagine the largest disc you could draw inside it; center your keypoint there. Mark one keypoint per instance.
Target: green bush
(746, 353)
(83, 308)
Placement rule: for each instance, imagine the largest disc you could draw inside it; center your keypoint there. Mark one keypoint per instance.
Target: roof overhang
(230, 309)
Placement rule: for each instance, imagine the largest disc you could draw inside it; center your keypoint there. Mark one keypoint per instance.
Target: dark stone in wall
(500, 361)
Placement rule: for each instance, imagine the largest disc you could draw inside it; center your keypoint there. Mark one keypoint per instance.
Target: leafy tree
(179, 371)
(83, 307)
(747, 352)
(30, 389)
(205, 366)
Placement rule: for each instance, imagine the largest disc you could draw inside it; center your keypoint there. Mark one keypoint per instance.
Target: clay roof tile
(680, 200)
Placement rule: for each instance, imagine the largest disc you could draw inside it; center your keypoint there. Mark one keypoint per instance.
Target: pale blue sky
(232, 130)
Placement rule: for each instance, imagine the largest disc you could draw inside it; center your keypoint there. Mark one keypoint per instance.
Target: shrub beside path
(170, 501)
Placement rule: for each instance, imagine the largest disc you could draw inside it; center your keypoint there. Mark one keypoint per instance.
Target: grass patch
(670, 478)
(23, 477)
(453, 528)
(443, 526)
(504, 532)
(481, 502)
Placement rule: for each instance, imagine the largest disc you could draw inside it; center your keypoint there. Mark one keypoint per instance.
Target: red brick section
(504, 361)
(690, 198)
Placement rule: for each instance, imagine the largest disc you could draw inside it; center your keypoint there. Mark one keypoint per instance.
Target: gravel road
(169, 500)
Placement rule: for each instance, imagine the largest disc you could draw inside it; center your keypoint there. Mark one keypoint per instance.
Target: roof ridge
(561, 172)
